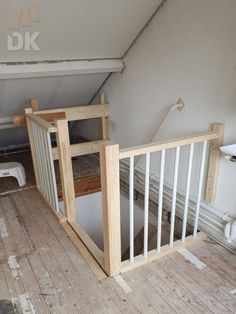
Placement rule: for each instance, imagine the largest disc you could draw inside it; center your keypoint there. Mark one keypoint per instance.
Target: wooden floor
(86, 173)
(41, 271)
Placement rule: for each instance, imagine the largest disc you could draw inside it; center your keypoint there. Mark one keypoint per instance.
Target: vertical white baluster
(54, 184)
(47, 166)
(160, 202)
(188, 183)
(146, 204)
(37, 153)
(200, 183)
(175, 181)
(131, 209)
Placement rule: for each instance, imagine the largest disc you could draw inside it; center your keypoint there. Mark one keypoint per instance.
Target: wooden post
(34, 105)
(66, 171)
(214, 163)
(105, 120)
(110, 181)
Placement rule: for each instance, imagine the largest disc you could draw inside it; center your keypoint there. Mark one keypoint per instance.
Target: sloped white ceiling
(69, 29)
(73, 29)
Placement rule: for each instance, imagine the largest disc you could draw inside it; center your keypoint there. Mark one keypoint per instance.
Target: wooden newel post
(214, 163)
(110, 180)
(66, 171)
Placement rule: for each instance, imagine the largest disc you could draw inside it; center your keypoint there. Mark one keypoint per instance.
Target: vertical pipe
(200, 183)
(146, 205)
(175, 181)
(160, 202)
(190, 163)
(131, 209)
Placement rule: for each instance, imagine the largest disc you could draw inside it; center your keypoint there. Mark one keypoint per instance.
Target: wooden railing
(42, 153)
(111, 194)
(39, 135)
(110, 157)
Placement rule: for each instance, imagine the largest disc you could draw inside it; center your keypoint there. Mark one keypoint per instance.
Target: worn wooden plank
(208, 279)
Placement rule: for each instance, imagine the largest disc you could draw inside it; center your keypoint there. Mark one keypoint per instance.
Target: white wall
(89, 216)
(189, 51)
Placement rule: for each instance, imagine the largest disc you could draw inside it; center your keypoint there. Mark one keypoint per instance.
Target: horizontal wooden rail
(88, 242)
(70, 114)
(82, 149)
(42, 123)
(155, 147)
(80, 112)
(49, 117)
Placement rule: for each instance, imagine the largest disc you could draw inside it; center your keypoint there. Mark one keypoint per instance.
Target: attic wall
(51, 92)
(189, 51)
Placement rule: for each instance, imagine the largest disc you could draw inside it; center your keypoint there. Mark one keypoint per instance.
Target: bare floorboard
(51, 276)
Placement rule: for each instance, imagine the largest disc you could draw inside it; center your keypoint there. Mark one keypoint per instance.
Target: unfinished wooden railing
(41, 148)
(110, 172)
(56, 121)
(42, 123)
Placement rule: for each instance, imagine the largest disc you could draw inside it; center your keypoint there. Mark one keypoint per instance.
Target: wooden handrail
(168, 144)
(43, 123)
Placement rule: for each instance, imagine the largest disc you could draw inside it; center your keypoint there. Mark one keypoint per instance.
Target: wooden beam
(155, 147)
(34, 105)
(140, 260)
(110, 180)
(105, 120)
(65, 163)
(84, 252)
(80, 112)
(81, 149)
(50, 117)
(43, 123)
(63, 68)
(88, 242)
(214, 163)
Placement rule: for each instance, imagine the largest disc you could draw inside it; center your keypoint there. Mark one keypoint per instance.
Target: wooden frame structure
(56, 121)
